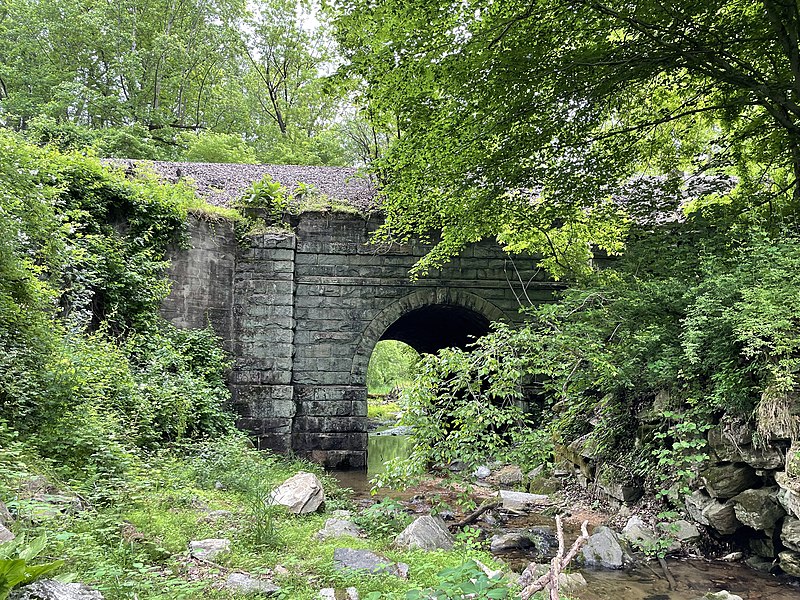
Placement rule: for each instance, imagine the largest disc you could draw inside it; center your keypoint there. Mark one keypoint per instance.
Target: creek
(694, 576)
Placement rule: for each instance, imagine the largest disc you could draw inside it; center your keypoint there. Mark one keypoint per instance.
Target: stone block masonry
(301, 313)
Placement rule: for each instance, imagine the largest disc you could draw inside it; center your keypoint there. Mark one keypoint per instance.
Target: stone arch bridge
(301, 312)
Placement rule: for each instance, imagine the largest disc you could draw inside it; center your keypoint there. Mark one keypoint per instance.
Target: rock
(509, 475)
(5, 514)
(733, 557)
(603, 549)
(763, 547)
(721, 517)
(301, 494)
(683, 531)
(427, 533)
(732, 450)
(790, 562)
(348, 559)
(568, 583)
(726, 480)
(638, 534)
(627, 494)
(722, 595)
(695, 503)
(790, 533)
(482, 472)
(5, 534)
(341, 514)
(242, 583)
(758, 563)
(335, 528)
(510, 541)
(758, 508)
(49, 589)
(350, 593)
(788, 496)
(521, 500)
(209, 549)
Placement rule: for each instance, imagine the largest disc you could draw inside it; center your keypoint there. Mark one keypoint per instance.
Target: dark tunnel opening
(431, 328)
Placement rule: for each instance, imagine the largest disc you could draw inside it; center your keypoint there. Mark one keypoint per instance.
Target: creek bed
(695, 577)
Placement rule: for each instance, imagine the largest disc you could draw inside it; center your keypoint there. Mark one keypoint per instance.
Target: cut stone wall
(302, 313)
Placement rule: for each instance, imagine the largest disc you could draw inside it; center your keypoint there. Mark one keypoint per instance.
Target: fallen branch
(549, 581)
(672, 583)
(475, 514)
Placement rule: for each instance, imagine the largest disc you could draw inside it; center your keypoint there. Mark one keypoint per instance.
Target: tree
(525, 120)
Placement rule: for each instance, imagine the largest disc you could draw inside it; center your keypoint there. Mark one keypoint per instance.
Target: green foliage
(391, 365)
(466, 580)
(386, 518)
(16, 569)
(217, 147)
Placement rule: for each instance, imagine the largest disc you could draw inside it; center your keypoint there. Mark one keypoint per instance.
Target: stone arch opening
(427, 320)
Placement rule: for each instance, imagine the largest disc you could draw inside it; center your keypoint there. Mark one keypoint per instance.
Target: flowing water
(694, 577)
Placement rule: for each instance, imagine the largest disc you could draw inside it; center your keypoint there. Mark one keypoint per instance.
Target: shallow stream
(694, 577)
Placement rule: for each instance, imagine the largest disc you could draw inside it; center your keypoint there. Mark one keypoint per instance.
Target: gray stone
(758, 508)
(603, 549)
(522, 501)
(638, 534)
(509, 475)
(732, 450)
(209, 549)
(300, 494)
(364, 561)
(721, 595)
(683, 531)
(790, 562)
(790, 533)
(695, 503)
(335, 528)
(350, 593)
(482, 472)
(568, 583)
(726, 480)
(759, 563)
(789, 494)
(721, 517)
(242, 583)
(427, 533)
(763, 547)
(49, 589)
(393, 431)
(510, 541)
(341, 514)
(5, 534)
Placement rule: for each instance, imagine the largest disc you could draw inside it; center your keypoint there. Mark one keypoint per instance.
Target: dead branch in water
(475, 514)
(549, 581)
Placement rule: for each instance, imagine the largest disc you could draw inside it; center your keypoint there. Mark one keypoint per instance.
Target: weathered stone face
(726, 480)
(301, 312)
(758, 508)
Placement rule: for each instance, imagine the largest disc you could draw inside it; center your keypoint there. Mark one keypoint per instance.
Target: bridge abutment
(301, 313)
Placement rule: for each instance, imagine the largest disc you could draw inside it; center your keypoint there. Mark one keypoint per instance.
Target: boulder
(721, 517)
(728, 479)
(788, 494)
(763, 547)
(790, 562)
(695, 503)
(727, 449)
(510, 541)
(568, 583)
(758, 508)
(639, 534)
(301, 494)
(522, 500)
(683, 531)
(364, 561)
(427, 533)
(603, 549)
(49, 589)
(759, 563)
(394, 431)
(242, 583)
(790, 534)
(509, 475)
(350, 593)
(5, 534)
(209, 549)
(335, 528)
